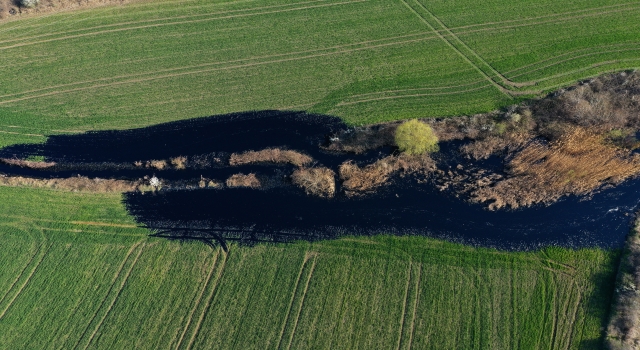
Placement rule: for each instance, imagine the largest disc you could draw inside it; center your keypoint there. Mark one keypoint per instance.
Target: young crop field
(78, 273)
(363, 60)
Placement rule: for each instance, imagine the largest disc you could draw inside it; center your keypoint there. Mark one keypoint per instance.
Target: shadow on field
(233, 132)
(285, 213)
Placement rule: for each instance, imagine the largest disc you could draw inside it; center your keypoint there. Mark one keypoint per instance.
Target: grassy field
(77, 273)
(362, 60)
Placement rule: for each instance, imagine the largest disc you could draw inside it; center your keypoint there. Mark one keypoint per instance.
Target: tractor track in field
(230, 62)
(116, 276)
(173, 75)
(589, 49)
(453, 47)
(416, 301)
(209, 299)
(470, 50)
(205, 285)
(404, 306)
(212, 15)
(412, 96)
(27, 280)
(174, 23)
(293, 298)
(576, 58)
(303, 296)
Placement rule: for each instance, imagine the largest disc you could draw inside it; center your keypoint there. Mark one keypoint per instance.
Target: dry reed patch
(27, 163)
(9, 7)
(484, 148)
(270, 155)
(242, 180)
(358, 180)
(74, 184)
(315, 181)
(577, 163)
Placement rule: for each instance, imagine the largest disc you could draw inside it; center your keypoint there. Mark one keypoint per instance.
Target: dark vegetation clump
(362, 139)
(316, 181)
(270, 155)
(623, 331)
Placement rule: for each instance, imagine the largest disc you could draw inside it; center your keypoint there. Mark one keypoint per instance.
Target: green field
(77, 273)
(362, 60)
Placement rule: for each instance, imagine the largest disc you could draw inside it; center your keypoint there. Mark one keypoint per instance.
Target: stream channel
(286, 213)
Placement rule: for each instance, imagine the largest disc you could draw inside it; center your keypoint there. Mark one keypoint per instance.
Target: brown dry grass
(361, 180)
(270, 155)
(242, 180)
(623, 331)
(157, 164)
(179, 162)
(315, 181)
(27, 163)
(578, 163)
(484, 148)
(74, 184)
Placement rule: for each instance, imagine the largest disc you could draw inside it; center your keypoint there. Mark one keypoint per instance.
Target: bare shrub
(360, 180)
(607, 102)
(179, 162)
(242, 180)
(80, 183)
(27, 163)
(157, 164)
(315, 181)
(577, 163)
(270, 155)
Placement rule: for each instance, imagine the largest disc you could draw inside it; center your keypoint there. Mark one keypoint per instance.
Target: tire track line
(409, 96)
(210, 298)
(116, 276)
(38, 249)
(466, 47)
(464, 57)
(592, 11)
(576, 58)
(404, 306)
(158, 77)
(562, 55)
(199, 299)
(218, 63)
(302, 300)
(415, 308)
(26, 282)
(293, 297)
(178, 23)
(418, 89)
(124, 281)
(149, 20)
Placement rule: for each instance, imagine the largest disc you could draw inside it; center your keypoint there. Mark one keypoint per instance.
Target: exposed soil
(12, 8)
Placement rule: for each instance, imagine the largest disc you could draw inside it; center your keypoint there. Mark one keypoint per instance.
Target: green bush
(414, 137)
